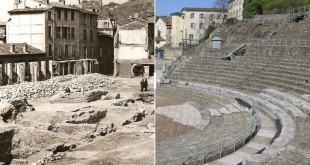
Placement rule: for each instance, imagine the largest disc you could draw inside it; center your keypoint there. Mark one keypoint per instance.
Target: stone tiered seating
(229, 124)
(252, 72)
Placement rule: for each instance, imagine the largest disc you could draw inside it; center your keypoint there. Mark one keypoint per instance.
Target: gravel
(35, 90)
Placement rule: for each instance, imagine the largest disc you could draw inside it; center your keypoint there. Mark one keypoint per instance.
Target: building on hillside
(162, 31)
(67, 34)
(134, 48)
(21, 62)
(191, 23)
(2, 32)
(235, 9)
(107, 25)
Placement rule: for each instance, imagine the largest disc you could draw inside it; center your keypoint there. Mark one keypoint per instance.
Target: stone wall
(6, 136)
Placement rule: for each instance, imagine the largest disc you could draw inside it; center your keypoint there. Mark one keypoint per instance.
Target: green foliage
(253, 7)
(230, 21)
(209, 30)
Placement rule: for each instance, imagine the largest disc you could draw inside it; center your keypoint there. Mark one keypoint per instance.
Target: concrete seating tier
(203, 99)
(250, 70)
(273, 109)
(228, 126)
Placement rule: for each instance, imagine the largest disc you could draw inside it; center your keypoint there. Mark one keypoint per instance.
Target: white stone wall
(29, 28)
(176, 31)
(160, 25)
(235, 9)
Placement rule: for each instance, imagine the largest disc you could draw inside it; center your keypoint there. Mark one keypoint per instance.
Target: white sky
(7, 5)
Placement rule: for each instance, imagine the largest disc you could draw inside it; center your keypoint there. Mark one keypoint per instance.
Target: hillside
(127, 9)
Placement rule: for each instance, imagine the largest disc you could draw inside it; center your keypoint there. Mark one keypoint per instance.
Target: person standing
(145, 84)
(142, 84)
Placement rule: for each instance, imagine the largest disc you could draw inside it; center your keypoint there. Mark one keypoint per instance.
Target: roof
(159, 38)
(5, 49)
(50, 6)
(100, 33)
(204, 9)
(168, 22)
(177, 13)
(138, 61)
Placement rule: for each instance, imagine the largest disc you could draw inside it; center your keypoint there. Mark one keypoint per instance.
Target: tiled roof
(29, 10)
(5, 49)
(159, 38)
(176, 13)
(204, 9)
(50, 6)
(168, 21)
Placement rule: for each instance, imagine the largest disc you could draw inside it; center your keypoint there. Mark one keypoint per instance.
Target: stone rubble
(35, 90)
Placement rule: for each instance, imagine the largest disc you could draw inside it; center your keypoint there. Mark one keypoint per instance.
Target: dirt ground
(132, 143)
(166, 128)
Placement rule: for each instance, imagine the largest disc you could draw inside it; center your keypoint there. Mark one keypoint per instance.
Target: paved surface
(185, 114)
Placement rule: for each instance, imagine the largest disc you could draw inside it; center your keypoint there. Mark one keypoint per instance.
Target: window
(84, 34)
(201, 26)
(66, 50)
(64, 32)
(193, 26)
(61, 50)
(91, 52)
(66, 14)
(211, 17)
(91, 19)
(100, 53)
(58, 14)
(50, 32)
(201, 16)
(72, 32)
(91, 35)
(50, 50)
(58, 32)
(218, 16)
(72, 15)
(191, 36)
(85, 51)
(73, 49)
(192, 15)
(106, 24)
(69, 32)
(85, 18)
(49, 15)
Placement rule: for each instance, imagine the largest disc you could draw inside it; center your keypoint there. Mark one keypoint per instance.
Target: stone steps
(229, 125)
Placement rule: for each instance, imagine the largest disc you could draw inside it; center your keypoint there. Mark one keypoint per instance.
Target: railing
(224, 54)
(248, 132)
(279, 42)
(168, 70)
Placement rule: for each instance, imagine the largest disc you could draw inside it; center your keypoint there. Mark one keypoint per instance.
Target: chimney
(62, 2)
(12, 48)
(25, 48)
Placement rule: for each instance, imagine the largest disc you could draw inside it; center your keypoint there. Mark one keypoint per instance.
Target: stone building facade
(67, 34)
(134, 48)
(191, 23)
(21, 62)
(235, 9)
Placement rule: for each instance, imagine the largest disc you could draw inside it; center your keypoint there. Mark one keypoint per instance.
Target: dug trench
(108, 123)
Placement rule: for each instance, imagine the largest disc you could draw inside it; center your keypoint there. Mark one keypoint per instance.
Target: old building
(67, 34)
(235, 9)
(21, 62)
(134, 48)
(162, 31)
(106, 53)
(2, 32)
(191, 23)
(107, 25)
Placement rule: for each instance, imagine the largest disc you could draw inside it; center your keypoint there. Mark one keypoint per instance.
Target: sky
(166, 7)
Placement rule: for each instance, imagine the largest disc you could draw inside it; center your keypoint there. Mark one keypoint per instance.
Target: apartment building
(235, 9)
(67, 34)
(162, 31)
(191, 23)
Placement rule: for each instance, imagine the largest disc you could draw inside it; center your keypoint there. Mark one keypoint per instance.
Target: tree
(222, 4)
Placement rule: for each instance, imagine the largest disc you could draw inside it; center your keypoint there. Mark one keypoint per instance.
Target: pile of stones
(35, 90)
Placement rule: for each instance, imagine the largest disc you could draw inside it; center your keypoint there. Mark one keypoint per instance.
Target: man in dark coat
(142, 84)
(145, 84)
